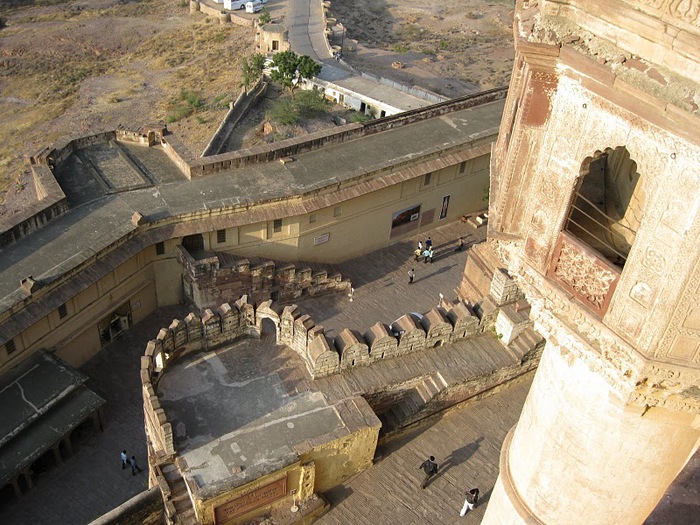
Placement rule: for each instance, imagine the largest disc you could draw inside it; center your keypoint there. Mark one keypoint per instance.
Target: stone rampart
(209, 283)
(191, 166)
(182, 337)
(323, 356)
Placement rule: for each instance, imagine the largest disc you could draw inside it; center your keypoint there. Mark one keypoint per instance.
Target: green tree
(265, 17)
(290, 69)
(252, 68)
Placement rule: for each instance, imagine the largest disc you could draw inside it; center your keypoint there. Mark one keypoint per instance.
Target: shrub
(309, 103)
(284, 112)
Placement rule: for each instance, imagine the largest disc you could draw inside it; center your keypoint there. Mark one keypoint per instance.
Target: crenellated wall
(208, 283)
(324, 356)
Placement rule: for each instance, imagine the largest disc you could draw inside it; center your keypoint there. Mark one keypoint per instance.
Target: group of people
(126, 460)
(425, 251)
(430, 468)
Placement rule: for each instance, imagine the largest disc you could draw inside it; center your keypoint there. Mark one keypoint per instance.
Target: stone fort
(592, 163)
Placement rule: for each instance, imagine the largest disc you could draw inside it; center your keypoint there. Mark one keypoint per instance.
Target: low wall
(218, 11)
(207, 284)
(233, 117)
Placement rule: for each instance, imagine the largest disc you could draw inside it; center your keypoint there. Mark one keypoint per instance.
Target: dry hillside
(72, 67)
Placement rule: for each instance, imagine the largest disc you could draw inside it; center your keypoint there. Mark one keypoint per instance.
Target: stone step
(187, 517)
(424, 392)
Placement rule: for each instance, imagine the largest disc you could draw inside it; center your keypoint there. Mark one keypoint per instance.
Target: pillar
(581, 449)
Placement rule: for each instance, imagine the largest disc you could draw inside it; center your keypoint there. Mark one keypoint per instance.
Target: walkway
(305, 22)
(466, 444)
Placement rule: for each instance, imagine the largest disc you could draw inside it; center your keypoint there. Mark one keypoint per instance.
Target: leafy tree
(265, 17)
(290, 69)
(252, 68)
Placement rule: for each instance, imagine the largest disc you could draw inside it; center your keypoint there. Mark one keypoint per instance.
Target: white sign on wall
(322, 238)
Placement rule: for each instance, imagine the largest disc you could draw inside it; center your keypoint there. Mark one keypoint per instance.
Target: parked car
(254, 7)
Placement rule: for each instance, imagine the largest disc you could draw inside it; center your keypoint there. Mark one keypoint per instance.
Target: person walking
(426, 254)
(430, 254)
(124, 458)
(430, 468)
(411, 275)
(134, 466)
(460, 245)
(417, 254)
(428, 242)
(420, 246)
(472, 498)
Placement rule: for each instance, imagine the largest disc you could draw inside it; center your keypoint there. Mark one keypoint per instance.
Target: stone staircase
(411, 405)
(526, 341)
(178, 503)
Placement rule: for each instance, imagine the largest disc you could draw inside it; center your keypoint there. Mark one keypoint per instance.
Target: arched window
(606, 208)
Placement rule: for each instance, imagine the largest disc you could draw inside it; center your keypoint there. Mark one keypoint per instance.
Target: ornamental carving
(674, 389)
(587, 276)
(687, 10)
(556, 316)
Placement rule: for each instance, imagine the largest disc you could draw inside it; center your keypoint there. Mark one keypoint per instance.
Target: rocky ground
(69, 67)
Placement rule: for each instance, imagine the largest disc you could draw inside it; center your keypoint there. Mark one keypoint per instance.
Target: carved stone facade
(623, 333)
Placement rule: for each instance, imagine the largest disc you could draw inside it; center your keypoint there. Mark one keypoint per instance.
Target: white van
(254, 7)
(233, 5)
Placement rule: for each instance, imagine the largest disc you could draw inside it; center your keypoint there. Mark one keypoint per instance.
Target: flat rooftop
(106, 183)
(239, 412)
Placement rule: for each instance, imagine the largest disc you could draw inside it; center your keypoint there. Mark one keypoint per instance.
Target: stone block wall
(207, 283)
(349, 349)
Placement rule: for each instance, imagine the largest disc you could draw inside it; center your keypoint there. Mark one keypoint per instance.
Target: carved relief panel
(533, 110)
(580, 124)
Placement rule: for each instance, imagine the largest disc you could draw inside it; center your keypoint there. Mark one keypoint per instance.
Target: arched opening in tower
(606, 208)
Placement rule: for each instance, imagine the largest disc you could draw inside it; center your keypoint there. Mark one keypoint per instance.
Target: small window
(337, 211)
(62, 311)
(10, 347)
(313, 218)
(277, 225)
(426, 180)
(463, 167)
(160, 248)
(221, 236)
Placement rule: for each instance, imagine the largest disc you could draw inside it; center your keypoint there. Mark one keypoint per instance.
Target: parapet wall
(325, 356)
(208, 284)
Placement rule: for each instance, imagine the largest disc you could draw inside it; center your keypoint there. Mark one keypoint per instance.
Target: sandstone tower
(595, 211)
